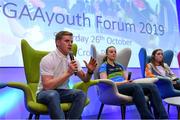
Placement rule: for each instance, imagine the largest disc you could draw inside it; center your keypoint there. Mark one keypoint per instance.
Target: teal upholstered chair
(31, 59)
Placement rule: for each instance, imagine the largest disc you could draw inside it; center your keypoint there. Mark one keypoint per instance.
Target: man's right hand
(72, 67)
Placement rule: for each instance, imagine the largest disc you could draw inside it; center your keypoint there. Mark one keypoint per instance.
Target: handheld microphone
(72, 58)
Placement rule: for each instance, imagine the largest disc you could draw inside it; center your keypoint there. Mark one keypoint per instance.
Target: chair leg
(37, 117)
(30, 116)
(168, 108)
(123, 112)
(100, 111)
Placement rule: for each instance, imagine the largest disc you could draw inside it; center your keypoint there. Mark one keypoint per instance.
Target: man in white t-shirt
(55, 70)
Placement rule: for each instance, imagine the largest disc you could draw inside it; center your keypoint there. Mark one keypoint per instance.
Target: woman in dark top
(116, 72)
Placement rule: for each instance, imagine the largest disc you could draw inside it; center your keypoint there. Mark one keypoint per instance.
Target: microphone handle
(72, 58)
(75, 72)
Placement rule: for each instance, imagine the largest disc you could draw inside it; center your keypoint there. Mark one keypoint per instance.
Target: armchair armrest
(85, 85)
(166, 88)
(145, 80)
(24, 87)
(109, 94)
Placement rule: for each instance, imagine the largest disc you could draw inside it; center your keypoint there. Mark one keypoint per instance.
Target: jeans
(138, 91)
(53, 98)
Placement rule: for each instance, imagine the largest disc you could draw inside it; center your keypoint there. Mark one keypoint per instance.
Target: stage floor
(12, 100)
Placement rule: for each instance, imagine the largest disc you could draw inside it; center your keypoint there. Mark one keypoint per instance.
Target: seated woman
(157, 68)
(116, 72)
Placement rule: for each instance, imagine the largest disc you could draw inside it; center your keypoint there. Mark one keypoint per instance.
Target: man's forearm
(88, 76)
(85, 76)
(55, 82)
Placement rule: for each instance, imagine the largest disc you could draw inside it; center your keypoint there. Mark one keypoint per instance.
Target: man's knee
(48, 96)
(53, 94)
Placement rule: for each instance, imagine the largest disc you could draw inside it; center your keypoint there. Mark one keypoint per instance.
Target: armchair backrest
(123, 57)
(106, 89)
(31, 60)
(144, 59)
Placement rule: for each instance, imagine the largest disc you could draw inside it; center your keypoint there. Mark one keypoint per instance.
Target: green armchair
(31, 59)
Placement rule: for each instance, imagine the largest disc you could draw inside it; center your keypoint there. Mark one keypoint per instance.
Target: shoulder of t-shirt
(104, 64)
(120, 65)
(149, 65)
(102, 67)
(49, 57)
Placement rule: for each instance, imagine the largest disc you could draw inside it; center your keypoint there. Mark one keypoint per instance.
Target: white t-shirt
(55, 64)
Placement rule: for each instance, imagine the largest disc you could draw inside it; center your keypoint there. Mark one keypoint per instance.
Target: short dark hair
(60, 34)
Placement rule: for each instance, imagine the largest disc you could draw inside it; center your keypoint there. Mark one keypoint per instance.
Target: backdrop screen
(122, 23)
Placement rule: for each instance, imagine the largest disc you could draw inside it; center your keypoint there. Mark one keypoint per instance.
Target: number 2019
(147, 28)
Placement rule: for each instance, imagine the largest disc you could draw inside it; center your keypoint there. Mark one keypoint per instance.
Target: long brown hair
(105, 58)
(153, 57)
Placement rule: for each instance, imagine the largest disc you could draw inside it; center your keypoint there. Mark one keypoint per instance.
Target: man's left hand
(91, 66)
